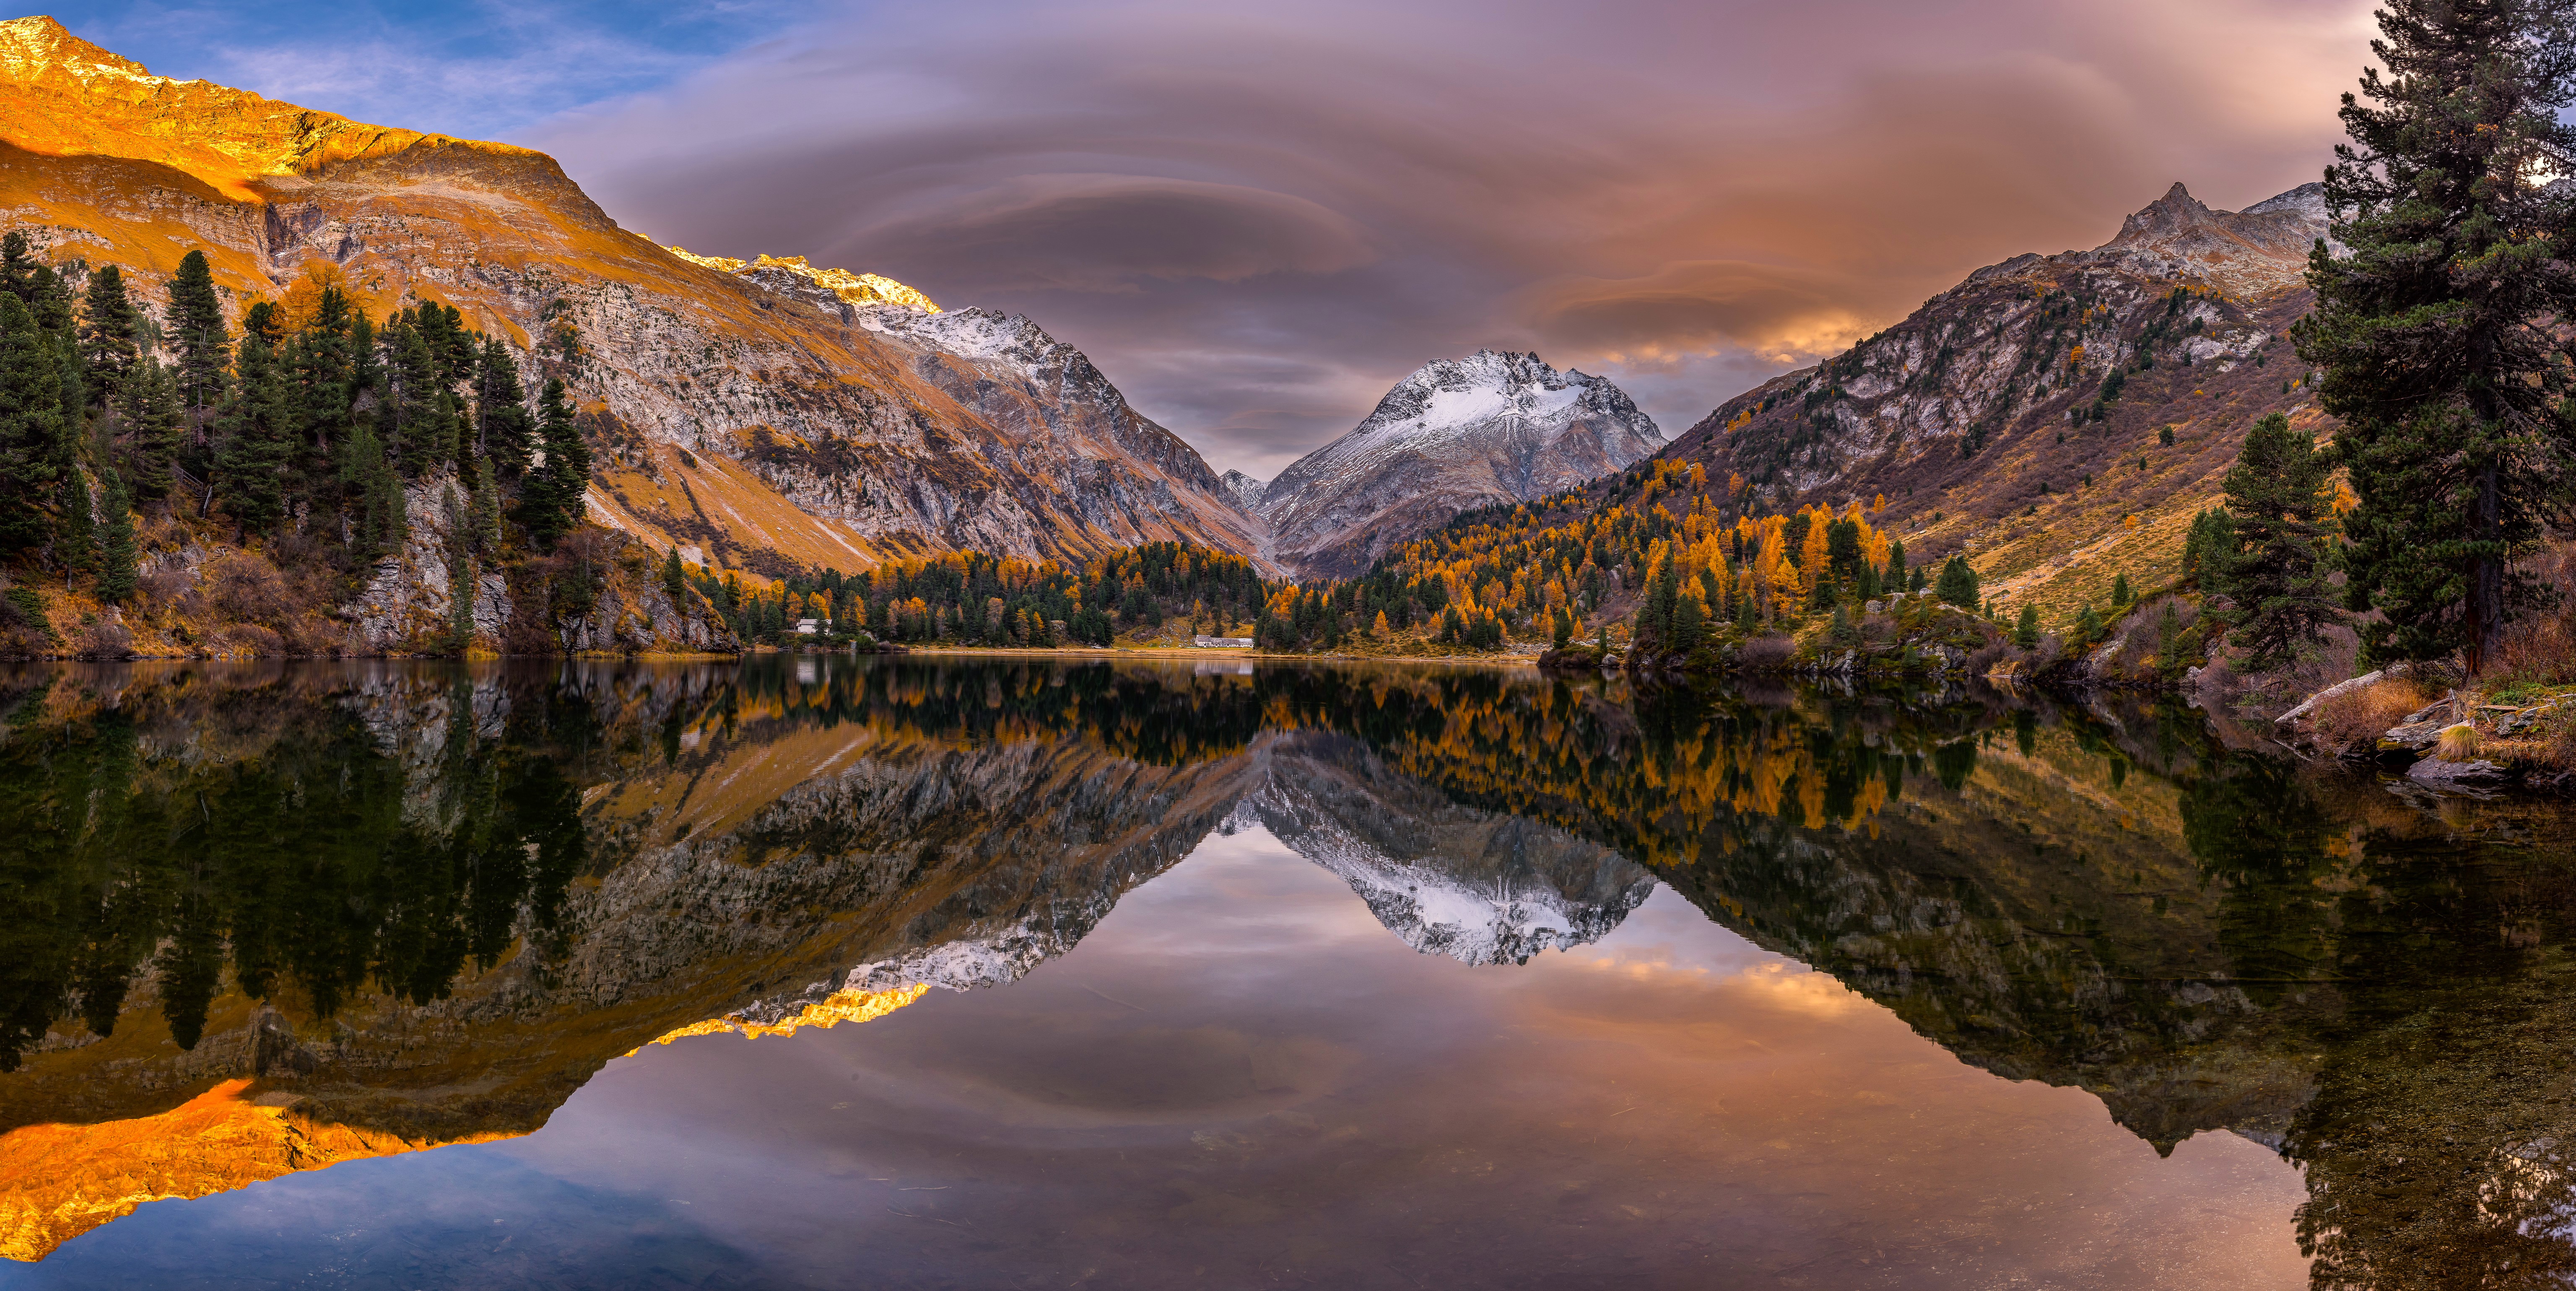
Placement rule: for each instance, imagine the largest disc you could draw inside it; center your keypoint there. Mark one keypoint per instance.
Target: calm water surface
(917, 973)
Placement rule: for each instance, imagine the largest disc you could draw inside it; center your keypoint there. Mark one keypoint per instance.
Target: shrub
(105, 640)
(2459, 743)
(245, 589)
(2364, 713)
(1766, 654)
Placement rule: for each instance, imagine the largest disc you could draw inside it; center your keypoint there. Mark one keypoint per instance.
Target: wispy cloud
(1255, 217)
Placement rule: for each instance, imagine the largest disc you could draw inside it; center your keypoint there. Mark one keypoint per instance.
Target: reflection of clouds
(1799, 990)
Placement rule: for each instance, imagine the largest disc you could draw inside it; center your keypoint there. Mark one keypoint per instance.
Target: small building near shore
(1222, 643)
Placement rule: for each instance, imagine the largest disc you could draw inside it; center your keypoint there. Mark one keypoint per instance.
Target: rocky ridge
(1971, 415)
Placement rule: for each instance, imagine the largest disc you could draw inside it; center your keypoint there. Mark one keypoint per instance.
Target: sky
(1256, 216)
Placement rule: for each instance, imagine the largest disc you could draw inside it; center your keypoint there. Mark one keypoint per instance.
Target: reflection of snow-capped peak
(1479, 920)
(995, 960)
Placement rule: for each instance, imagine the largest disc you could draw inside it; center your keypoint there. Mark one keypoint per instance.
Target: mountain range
(762, 414)
(1978, 417)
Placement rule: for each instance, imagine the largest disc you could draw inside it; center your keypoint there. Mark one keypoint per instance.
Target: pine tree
(108, 345)
(2088, 624)
(2026, 628)
(501, 428)
(154, 434)
(256, 441)
(461, 582)
(2204, 550)
(486, 517)
(2435, 332)
(2120, 594)
(116, 571)
(31, 426)
(367, 475)
(2276, 570)
(551, 501)
(75, 528)
(194, 325)
(1958, 585)
(412, 424)
(675, 579)
(17, 266)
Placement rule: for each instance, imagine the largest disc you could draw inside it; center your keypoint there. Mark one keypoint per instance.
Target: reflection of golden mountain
(60, 1181)
(735, 889)
(735, 415)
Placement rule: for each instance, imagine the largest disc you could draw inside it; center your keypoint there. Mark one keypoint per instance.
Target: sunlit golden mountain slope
(758, 418)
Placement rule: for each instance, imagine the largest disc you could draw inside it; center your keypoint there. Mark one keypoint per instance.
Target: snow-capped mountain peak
(1495, 426)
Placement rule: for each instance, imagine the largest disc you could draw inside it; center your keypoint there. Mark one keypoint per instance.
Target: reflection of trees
(305, 864)
(2440, 1143)
(2095, 898)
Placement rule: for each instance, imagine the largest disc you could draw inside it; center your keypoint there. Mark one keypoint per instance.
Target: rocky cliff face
(1973, 416)
(1455, 435)
(745, 415)
(593, 598)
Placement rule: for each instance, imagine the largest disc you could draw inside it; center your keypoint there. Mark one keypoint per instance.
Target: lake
(948, 972)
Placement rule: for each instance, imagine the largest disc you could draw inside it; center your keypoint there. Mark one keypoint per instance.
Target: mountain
(1974, 417)
(1456, 435)
(1246, 491)
(1480, 887)
(750, 412)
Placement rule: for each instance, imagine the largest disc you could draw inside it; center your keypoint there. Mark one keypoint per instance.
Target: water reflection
(307, 914)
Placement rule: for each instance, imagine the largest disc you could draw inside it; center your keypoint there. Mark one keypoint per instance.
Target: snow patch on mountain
(975, 333)
(1245, 490)
(1447, 401)
(1438, 914)
(996, 959)
(1493, 427)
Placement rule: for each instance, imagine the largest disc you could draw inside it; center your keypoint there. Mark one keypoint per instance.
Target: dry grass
(2365, 712)
(2459, 743)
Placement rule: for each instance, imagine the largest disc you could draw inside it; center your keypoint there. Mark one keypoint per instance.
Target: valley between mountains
(764, 433)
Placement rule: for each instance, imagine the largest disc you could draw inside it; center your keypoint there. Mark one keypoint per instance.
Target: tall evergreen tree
(2437, 332)
(551, 502)
(461, 582)
(18, 266)
(193, 323)
(116, 556)
(2276, 567)
(109, 346)
(369, 477)
(420, 409)
(75, 529)
(31, 428)
(1958, 584)
(256, 439)
(486, 515)
(501, 429)
(154, 429)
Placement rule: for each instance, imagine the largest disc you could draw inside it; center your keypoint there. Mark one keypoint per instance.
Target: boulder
(2439, 774)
